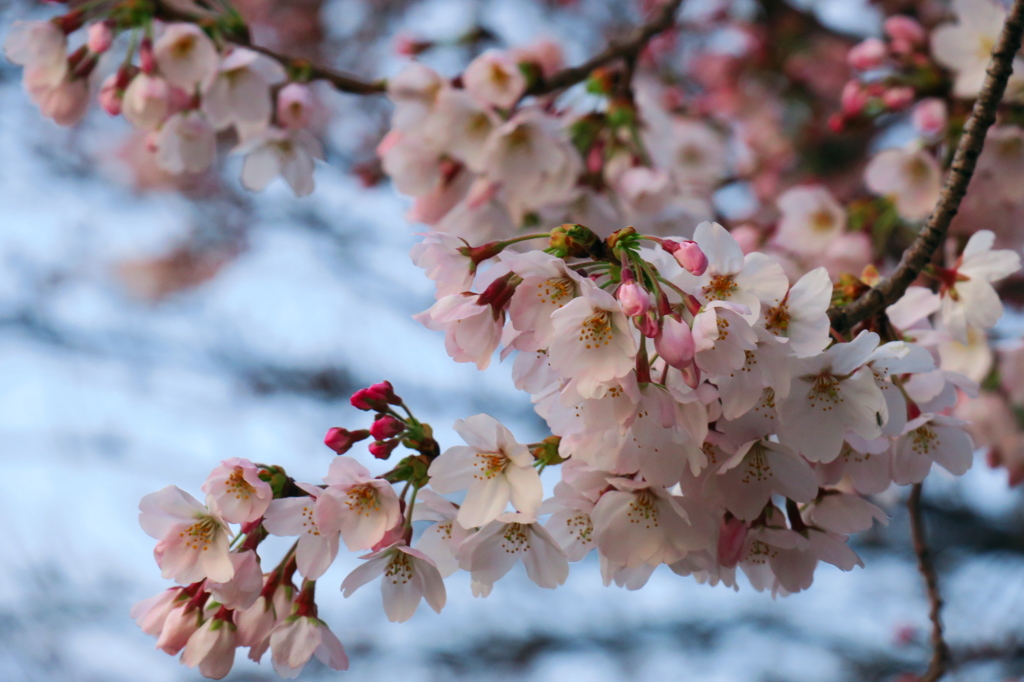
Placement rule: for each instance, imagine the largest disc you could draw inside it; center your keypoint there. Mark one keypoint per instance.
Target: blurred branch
(628, 50)
(939, 663)
(890, 290)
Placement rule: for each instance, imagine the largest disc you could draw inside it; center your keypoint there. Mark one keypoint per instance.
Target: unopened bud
(386, 427)
(675, 343)
(867, 55)
(905, 29)
(111, 96)
(294, 104)
(898, 98)
(633, 299)
(376, 397)
(101, 37)
(688, 254)
(930, 116)
(341, 440)
(382, 449)
(853, 98)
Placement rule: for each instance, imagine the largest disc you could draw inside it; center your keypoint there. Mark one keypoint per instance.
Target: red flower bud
(341, 440)
(386, 427)
(382, 449)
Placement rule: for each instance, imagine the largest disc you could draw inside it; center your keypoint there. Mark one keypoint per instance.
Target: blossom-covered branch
(983, 115)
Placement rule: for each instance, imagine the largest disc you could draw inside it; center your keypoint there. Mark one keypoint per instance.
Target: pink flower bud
(675, 343)
(691, 258)
(341, 440)
(633, 299)
(647, 324)
(110, 96)
(853, 98)
(867, 54)
(100, 37)
(898, 98)
(732, 534)
(294, 106)
(930, 116)
(905, 29)
(386, 427)
(382, 449)
(376, 397)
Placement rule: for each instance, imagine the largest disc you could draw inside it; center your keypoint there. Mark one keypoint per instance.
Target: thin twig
(629, 48)
(939, 664)
(890, 290)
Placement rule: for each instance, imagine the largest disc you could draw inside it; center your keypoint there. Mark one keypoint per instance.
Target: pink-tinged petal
(315, 554)
(526, 491)
(453, 470)
(545, 562)
(346, 471)
(794, 478)
(330, 652)
(400, 591)
(260, 167)
(428, 579)
(216, 560)
(484, 501)
(373, 567)
(954, 451)
(725, 257)
(166, 508)
(289, 516)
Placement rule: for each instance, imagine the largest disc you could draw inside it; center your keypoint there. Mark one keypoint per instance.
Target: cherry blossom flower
(236, 487)
(548, 285)
(362, 508)
(494, 78)
(65, 101)
(146, 102)
(186, 143)
(186, 56)
(294, 106)
(932, 438)
(570, 524)
(760, 469)
(493, 550)
(844, 513)
(288, 153)
(968, 299)
(245, 585)
(414, 91)
(239, 93)
(591, 341)
(638, 524)
(731, 276)
(830, 394)
(966, 46)
(800, 318)
(298, 638)
(472, 328)
(721, 337)
(912, 179)
(441, 256)
(318, 541)
(440, 541)
(811, 219)
(193, 539)
(493, 468)
(212, 648)
(408, 575)
(40, 47)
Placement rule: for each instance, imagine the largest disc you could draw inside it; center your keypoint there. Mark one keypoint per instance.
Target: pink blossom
(295, 640)
(811, 219)
(239, 93)
(274, 152)
(318, 541)
(633, 298)
(493, 550)
(245, 585)
(100, 37)
(212, 648)
(409, 576)
(294, 106)
(362, 508)
(472, 329)
(236, 488)
(674, 343)
(495, 79)
(186, 56)
(904, 29)
(146, 101)
(193, 539)
(186, 143)
(929, 116)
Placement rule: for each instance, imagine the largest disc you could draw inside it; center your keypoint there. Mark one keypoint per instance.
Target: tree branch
(940, 660)
(890, 290)
(629, 48)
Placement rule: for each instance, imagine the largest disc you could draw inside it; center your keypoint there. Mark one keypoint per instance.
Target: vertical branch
(939, 663)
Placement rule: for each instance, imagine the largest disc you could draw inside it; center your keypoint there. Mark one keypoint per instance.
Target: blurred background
(150, 327)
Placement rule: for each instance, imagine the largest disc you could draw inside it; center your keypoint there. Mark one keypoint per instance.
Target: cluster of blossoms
(703, 413)
(178, 83)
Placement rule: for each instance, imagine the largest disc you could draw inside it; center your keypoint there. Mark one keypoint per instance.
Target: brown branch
(890, 290)
(939, 664)
(340, 80)
(629, 48)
